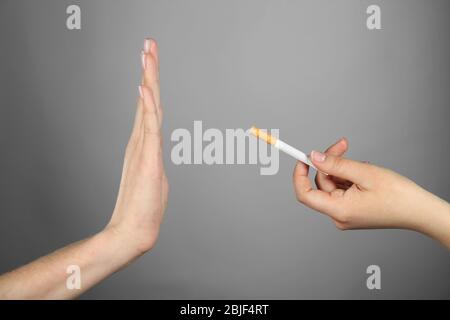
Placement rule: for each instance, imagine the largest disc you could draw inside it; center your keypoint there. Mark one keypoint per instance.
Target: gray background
(310, 68)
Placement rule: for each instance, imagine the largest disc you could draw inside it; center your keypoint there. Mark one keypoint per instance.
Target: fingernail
(318, 156)
(147, 45)
(143, 60)
(141, 93)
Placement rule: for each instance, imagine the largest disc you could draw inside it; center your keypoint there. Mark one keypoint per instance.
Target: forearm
(97, 257)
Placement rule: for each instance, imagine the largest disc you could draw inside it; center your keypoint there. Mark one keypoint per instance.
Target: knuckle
(150, 113)
(337, 165)
(150, 92)
(149, 131)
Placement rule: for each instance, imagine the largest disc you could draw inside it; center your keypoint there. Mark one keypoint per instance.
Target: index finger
(315, 199)
(325, 182)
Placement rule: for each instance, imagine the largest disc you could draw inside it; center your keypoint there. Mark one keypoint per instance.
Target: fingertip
(344, 142)
(302, 188)
(153, 44)
(150, 69)
(143, 60)
(154, 49)
(147, 45)
(301, 169)
(339, 147)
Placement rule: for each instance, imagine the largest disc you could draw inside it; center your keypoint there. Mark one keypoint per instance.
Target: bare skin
(138, 214)
(358, 195)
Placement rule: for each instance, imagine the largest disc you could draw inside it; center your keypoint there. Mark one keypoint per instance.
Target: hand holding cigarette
(358, 195)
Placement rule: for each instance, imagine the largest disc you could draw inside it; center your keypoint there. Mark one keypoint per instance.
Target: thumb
(354, 171)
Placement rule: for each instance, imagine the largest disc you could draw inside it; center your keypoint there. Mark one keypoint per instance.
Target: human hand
(134, 225)
(143, 192)
(358, 195)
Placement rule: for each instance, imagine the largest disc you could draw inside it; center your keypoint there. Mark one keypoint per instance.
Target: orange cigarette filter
(263, 135)
(283, 146)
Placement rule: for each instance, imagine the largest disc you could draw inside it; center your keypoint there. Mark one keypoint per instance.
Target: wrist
(121, 252)
(433, 217)
(128, 240)
(440, 217)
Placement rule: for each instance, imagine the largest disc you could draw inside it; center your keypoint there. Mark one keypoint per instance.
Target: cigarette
(283, 146)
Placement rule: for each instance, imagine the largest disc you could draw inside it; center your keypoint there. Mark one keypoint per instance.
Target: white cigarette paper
(283, 146)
